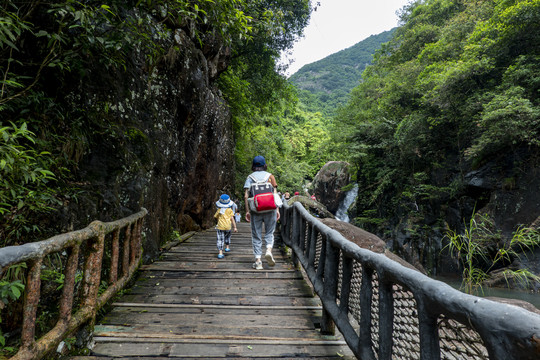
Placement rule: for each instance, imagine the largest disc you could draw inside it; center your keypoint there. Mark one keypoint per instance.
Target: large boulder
(313, 206)
(367, 240)
(329, 182)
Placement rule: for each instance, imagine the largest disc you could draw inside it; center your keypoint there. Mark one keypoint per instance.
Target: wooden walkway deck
(192, 305)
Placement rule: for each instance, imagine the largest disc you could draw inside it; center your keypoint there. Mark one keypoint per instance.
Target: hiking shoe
(227, 250)
(257, 265)
(220, 256)
(269, 258)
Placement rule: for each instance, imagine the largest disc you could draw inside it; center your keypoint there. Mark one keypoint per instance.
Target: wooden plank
(171, 311)
(221, 265)
(249, 284)
(219, 290)
(219, 350)
(192, 305)
(198, 340)
(162, 272)
(204, 331)
(187, 306)
(221, 300)
(181, 267)
(302, 321)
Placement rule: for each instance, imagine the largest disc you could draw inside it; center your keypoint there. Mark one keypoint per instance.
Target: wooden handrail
(94, 238)
(384, 308)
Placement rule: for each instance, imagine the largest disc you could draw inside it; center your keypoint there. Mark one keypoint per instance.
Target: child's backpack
(261, 196)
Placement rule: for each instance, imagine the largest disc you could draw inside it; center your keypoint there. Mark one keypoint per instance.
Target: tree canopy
(44, 46)
(458, 83)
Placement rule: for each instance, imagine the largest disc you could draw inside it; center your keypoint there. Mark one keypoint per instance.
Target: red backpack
(261, 196)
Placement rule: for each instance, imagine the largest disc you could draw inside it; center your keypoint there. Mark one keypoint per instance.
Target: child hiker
(225, 218)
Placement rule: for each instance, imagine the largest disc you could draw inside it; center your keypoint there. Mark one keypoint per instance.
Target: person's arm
(248, 215)
(272, 181)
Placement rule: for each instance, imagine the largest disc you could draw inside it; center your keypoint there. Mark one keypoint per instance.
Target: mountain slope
(325, 84)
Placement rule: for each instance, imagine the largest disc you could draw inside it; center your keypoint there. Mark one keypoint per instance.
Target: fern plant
(475, 247)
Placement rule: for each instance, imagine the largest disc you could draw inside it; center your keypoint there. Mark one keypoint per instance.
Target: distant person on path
(237, 217)
(269, 218)
(225, 221)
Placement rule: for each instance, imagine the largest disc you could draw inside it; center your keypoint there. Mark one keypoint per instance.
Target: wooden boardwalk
(190, 304)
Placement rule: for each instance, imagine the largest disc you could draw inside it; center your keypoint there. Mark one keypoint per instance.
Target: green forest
(453, 91)
(48, 50)
(457, 83)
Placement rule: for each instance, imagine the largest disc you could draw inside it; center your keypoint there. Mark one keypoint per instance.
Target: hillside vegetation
(447, 122)
(296, 136)
(325, 84)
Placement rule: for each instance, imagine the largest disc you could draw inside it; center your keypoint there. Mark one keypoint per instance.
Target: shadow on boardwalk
(192, 305)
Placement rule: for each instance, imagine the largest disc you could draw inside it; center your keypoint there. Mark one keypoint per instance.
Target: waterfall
(350, 196)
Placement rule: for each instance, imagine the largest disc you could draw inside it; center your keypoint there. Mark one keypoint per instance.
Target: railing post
(322, 259)
(115, 255)
(66, 304)
(92, 275)
(366, 297)
(138, 226)
(386, 319)
(31, 300)
(302, 236)
(130, 231)
(312, 248)
(284, 219)
(346, 277)
(331, 275)
(429, 332)
(295, 235)
(306, 244)
(290, 214)
(126, 251)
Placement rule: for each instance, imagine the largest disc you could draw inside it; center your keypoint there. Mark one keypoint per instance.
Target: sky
(340, 24)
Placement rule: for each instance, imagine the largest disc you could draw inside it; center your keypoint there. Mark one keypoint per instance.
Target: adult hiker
(259, 188)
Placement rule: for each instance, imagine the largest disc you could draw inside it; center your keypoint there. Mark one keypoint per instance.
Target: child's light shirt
(224, 215)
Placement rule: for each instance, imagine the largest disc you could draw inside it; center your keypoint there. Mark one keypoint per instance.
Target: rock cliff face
(172, 148)
(505, 189)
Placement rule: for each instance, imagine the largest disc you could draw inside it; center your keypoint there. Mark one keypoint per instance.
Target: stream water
(533, 298)
(530, 297)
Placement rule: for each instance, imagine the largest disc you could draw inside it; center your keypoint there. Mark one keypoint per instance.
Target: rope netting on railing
(387, 311)
(69, 277)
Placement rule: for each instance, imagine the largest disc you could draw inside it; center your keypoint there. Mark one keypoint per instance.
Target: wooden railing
(82, 255)
(387, 311)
